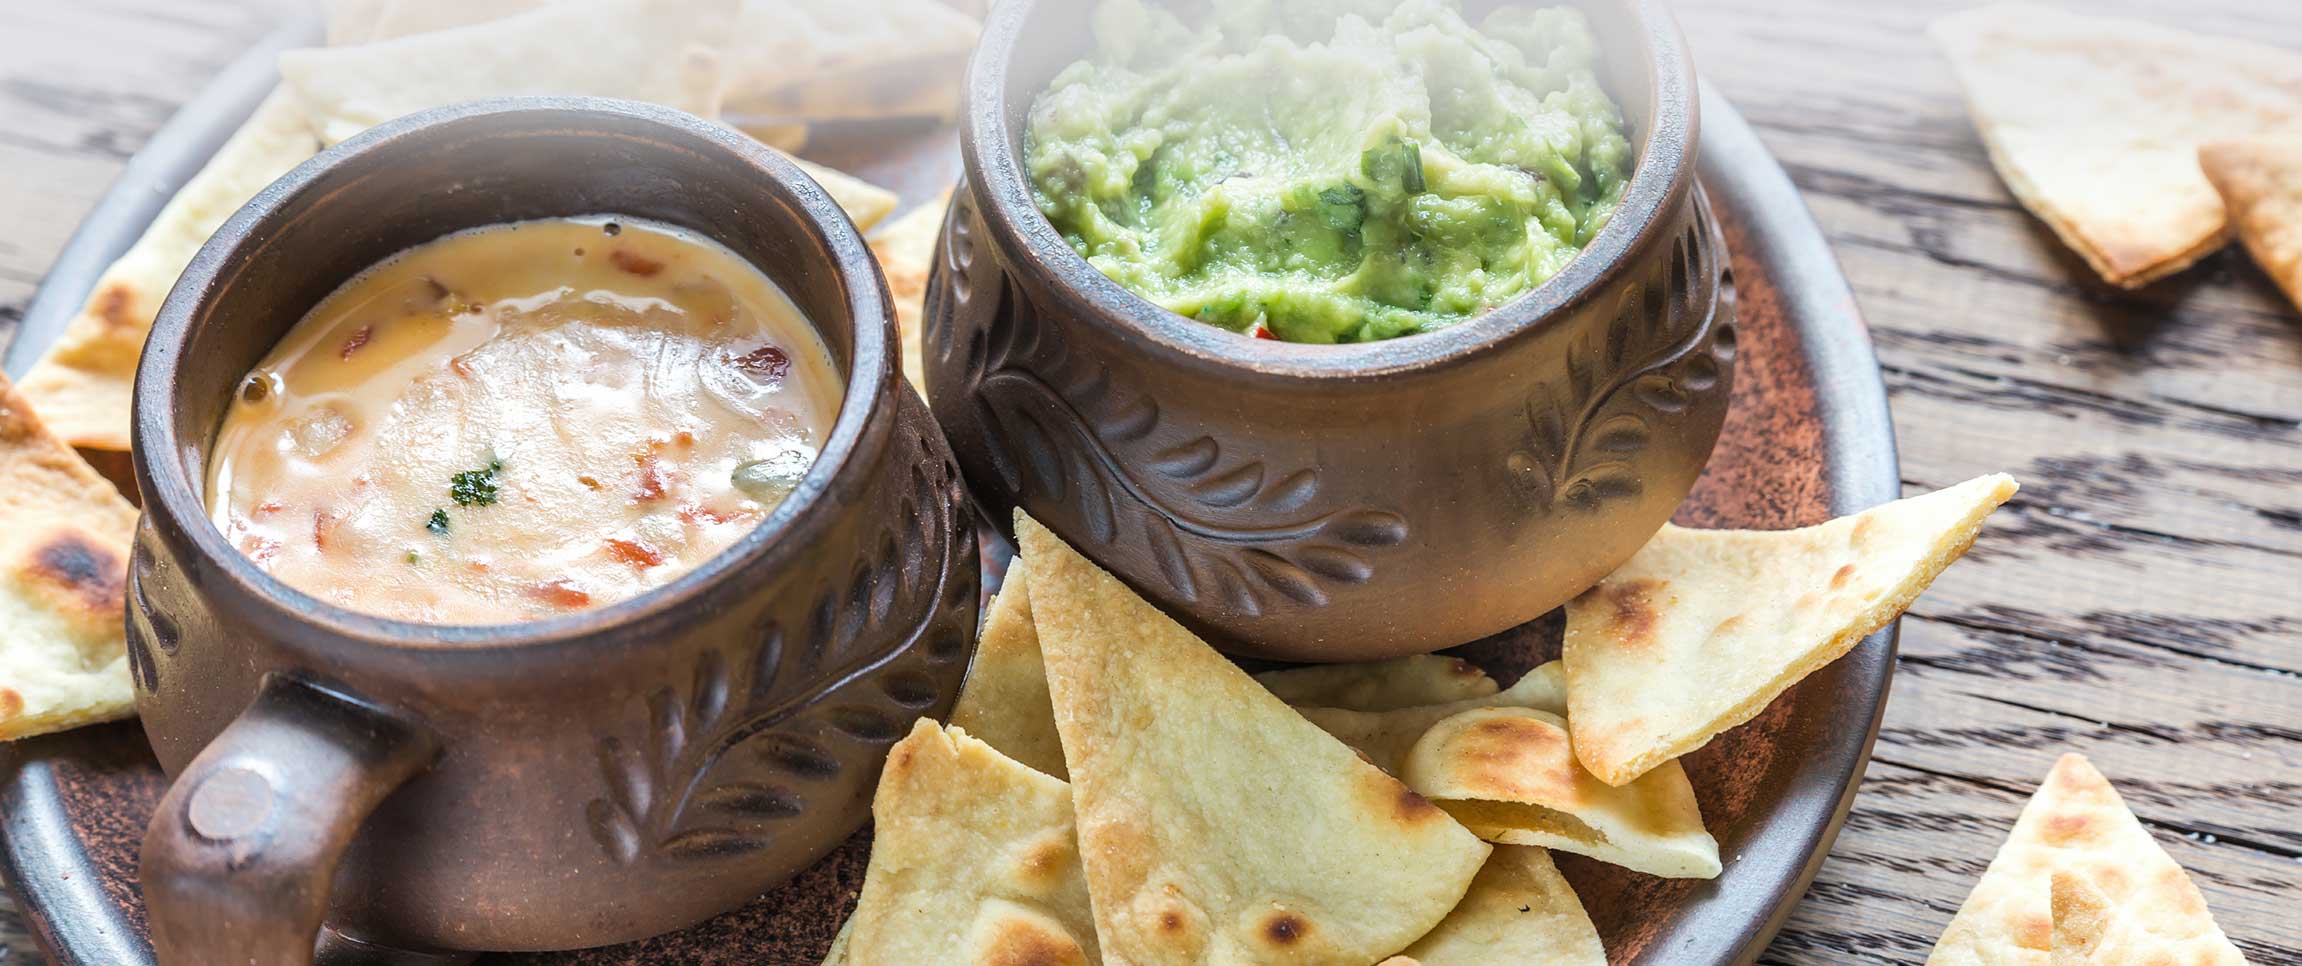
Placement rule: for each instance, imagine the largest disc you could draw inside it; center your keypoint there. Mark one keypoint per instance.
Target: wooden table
(2140, 602)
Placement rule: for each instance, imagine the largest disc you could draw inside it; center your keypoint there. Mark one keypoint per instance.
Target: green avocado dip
(1330, 170)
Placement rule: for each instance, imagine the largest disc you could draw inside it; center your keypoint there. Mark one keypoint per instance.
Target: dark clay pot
(570, 782)
(1328, 503)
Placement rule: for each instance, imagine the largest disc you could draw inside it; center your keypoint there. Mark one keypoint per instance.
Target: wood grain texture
(2140, 602)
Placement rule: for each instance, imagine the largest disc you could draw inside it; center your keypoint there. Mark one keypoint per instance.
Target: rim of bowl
(1659, 182)
(179, 500)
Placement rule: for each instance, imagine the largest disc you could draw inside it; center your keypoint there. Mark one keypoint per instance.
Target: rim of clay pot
(1659, 183)
(175, 501)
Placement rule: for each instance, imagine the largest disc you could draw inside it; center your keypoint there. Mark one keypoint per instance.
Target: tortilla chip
(849, 59)
(1217, 824)
(1703, 628)
(2080, 881)
(837, 954)
(83, 384)
(2261, 182)
(367, 21)
(64, 539)
(1385, 737)
(1520, 912)
(789, 138)
(906, 250)
(651, 50)
(2095, 123)
(972, 855)
(1421, 679)
(1004, 702)
(866, 204)
(1510, 775)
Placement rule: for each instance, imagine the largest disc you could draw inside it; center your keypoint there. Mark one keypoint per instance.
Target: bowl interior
(1643, 67)
(446, 171)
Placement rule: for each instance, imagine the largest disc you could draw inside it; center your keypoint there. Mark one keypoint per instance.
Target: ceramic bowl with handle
(573, 781)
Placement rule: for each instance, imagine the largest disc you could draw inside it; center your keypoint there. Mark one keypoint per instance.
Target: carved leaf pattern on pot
(1585, 432)
(1217, 527)
(721, 758)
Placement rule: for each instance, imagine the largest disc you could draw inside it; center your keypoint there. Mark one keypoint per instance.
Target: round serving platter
(1808, 438)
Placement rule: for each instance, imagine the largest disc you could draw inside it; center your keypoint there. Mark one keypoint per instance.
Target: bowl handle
(242, 854)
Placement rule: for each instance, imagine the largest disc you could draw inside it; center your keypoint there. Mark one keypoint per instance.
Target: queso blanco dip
(523, 420)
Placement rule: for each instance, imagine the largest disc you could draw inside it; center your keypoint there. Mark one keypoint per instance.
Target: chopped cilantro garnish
(477, 487)
(438, 523)
(1343, 208)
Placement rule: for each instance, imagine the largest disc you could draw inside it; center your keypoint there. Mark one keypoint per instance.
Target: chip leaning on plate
(1223, 818)
(64, 538)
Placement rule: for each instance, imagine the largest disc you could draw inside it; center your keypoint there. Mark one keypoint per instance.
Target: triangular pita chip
(2095, 123)
(650, 50)
(2080, 881)
(1520, 912)
(837, 954)
(1217, 825)
(1510, 775)
(972, 854)
(1702, 628)
(2261, 182)
(1004, 702)
(1406, 682)
(866, 204)
(82, 385)
(64, 539)
(353, 22)
(1385, 737)
(906, 250)
(848, 59)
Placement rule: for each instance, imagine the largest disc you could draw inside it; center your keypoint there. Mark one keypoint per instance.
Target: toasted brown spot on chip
(1285, 928)
(11, 703)
(1413, 808)
(1840, 578)
(1045, 860)
(1170, 921)
(1026, 943)
(93, 575)
(2067, 826)
(116, 305)
(1634, 610)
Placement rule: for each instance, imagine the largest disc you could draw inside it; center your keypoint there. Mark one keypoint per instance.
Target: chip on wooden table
(906, 250)
(1004, 701)
(974, 862)
(2080, 882)
(2261, 182)
(1406, 682)
(64, 541)
(1701, 629)
(1510, 775)
(1520, 912)
(1216, 824)
(2095, 123)
(1385, 737)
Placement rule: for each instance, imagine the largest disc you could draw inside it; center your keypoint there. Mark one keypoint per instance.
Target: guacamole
(1330, 170)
